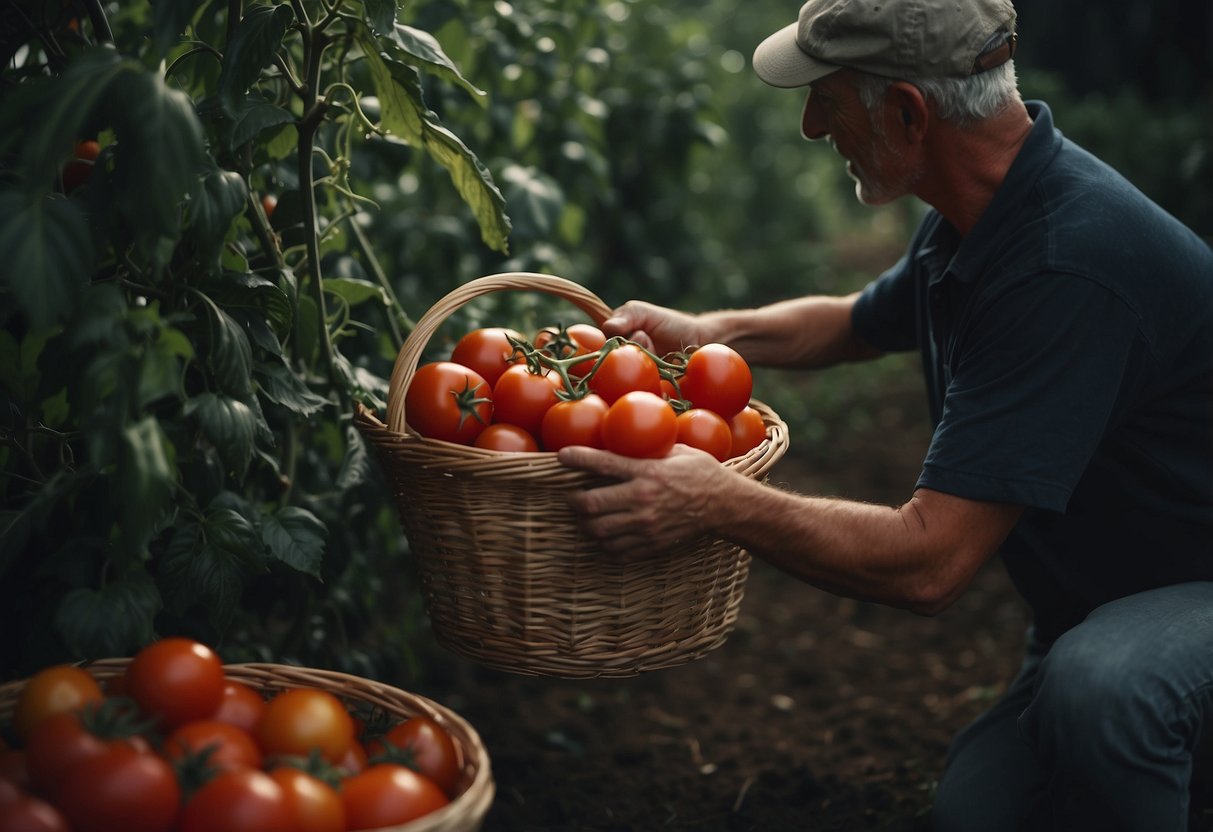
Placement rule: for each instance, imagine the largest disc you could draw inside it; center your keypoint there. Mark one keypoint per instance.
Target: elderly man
(1065, 324)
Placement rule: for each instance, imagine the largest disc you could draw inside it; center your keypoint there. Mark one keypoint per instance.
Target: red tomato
(624, 369)
(14, 767)
(708, 431)
(640, 424)
(240, 706)
(718, 378)
(299, 720)
(747, 430)
(60, 743)
(176, 680)
(424, 746)
(225, 746)
(244, 800)
(268, 203)
(578, 422)
(76, 171)
(63, 687)
(448, 401)
(487, 351)
(26, 813)
(521, 397)
(124, 788)
(506, 438)
(316, 805)
(354, 760)
(578, 339)
(668, 391)
(388, 795)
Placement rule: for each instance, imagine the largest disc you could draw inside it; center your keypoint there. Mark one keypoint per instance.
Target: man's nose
(812, 120)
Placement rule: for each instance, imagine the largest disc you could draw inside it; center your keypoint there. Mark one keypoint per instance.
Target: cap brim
(780, 62)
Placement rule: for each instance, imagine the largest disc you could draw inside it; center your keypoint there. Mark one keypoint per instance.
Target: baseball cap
(893, 38)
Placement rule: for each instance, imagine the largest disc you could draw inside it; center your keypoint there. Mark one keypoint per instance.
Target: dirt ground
(818, 713)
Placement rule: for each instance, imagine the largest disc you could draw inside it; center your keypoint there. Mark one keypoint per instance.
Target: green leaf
(295, 537)
(208, 564)
(169, 19)
(419, 48)
(231, 427)
(285, 388)
(231, 356)
(356, 466)
(252, 116)
(47, 256)
(381, 14)
(354, 291)
(248, 290)
(217, 199)
(251, 49)
(19, 526)
(115, 620)
(535, 200)
(147, 473)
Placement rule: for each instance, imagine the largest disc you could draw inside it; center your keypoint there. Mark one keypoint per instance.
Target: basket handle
(410, 352)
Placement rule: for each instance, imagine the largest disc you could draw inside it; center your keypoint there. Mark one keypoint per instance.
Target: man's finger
(596, 461)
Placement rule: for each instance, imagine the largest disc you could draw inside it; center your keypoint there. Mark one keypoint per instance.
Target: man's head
(902, 39)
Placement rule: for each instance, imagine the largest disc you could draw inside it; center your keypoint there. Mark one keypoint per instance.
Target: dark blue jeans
(1098, 730)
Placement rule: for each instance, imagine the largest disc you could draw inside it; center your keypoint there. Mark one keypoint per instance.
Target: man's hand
(655, 328)
(656, 503)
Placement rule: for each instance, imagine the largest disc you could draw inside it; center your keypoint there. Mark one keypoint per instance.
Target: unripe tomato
(640, 424)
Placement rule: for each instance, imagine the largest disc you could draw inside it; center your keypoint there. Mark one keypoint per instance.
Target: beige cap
(893, 38)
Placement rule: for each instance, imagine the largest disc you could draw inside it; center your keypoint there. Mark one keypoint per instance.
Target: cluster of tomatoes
(574, 386)
(174, 745)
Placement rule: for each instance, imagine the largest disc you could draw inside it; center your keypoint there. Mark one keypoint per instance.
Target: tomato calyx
(314, 764)
(468, 402)
(389, 752)
(115, 718)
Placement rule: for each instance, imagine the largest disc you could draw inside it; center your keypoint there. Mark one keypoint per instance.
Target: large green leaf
(281, 386)
(231, 427)
(169, 19)
(231, 357)
(422, 50)
(147, 474)
(217, 199)
(47, 255)
(354, 291)
(114, 620)
(381, 14)
(251, 116)
(251, 49)
(208, 564)
(295, 537)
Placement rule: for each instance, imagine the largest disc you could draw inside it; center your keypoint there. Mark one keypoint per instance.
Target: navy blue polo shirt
(1067, 344)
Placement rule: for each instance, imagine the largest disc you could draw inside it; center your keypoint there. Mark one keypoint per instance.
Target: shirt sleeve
(1038, 375)
(884, 314)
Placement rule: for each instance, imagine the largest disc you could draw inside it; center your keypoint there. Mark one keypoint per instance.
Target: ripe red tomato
(240, 706)
(225, 746)
(316, 805)
(388, 795)
(62, 687)
(26, 813)
(14, 768)
(747, 430)
(244, 800)
(718, 378)
(577, 339)
(76, 171)
(176, 680)
(299, 720)
(487, 351)
(506, 438)
(268, 203)
(60, 743)
(640, 424)
(124, 788)
(577, 422)
(521, 397)
(426, 747)
(706, 430)
(448, 401)
(624, 369)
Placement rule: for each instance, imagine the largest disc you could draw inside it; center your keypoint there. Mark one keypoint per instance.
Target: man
(1066, 328)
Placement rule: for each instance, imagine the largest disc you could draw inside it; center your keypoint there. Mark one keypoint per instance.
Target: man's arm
(918, 556)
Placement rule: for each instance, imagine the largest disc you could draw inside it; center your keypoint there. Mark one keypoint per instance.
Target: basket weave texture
(508, 579)
(475, 788)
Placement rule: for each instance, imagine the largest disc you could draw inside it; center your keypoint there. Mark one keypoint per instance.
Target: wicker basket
(474, 789)
(507, 577)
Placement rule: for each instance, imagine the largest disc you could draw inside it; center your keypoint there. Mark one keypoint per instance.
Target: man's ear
(912, 108)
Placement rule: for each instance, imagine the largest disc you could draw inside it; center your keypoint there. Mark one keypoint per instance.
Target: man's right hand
(656, 328)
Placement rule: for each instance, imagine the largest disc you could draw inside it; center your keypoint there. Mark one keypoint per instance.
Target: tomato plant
(223, 746)
(316, 806)
(302, 719)
(424, 746)
(747, 430)
(522, 398)
(387, 795)
(51, 690)
(624, 369)
(243, 800)
(640, 424)
(123, 788)
(706, 430)
(488, 351)
(176, 680)
(718, 378)
(448, 401)
(506, 438)
(576, 422)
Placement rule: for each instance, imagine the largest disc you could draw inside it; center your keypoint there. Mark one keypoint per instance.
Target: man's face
(833, 109)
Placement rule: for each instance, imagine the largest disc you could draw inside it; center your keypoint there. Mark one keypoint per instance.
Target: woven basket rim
(466, 810)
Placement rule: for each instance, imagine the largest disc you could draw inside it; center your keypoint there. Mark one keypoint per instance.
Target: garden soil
(818, 713)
